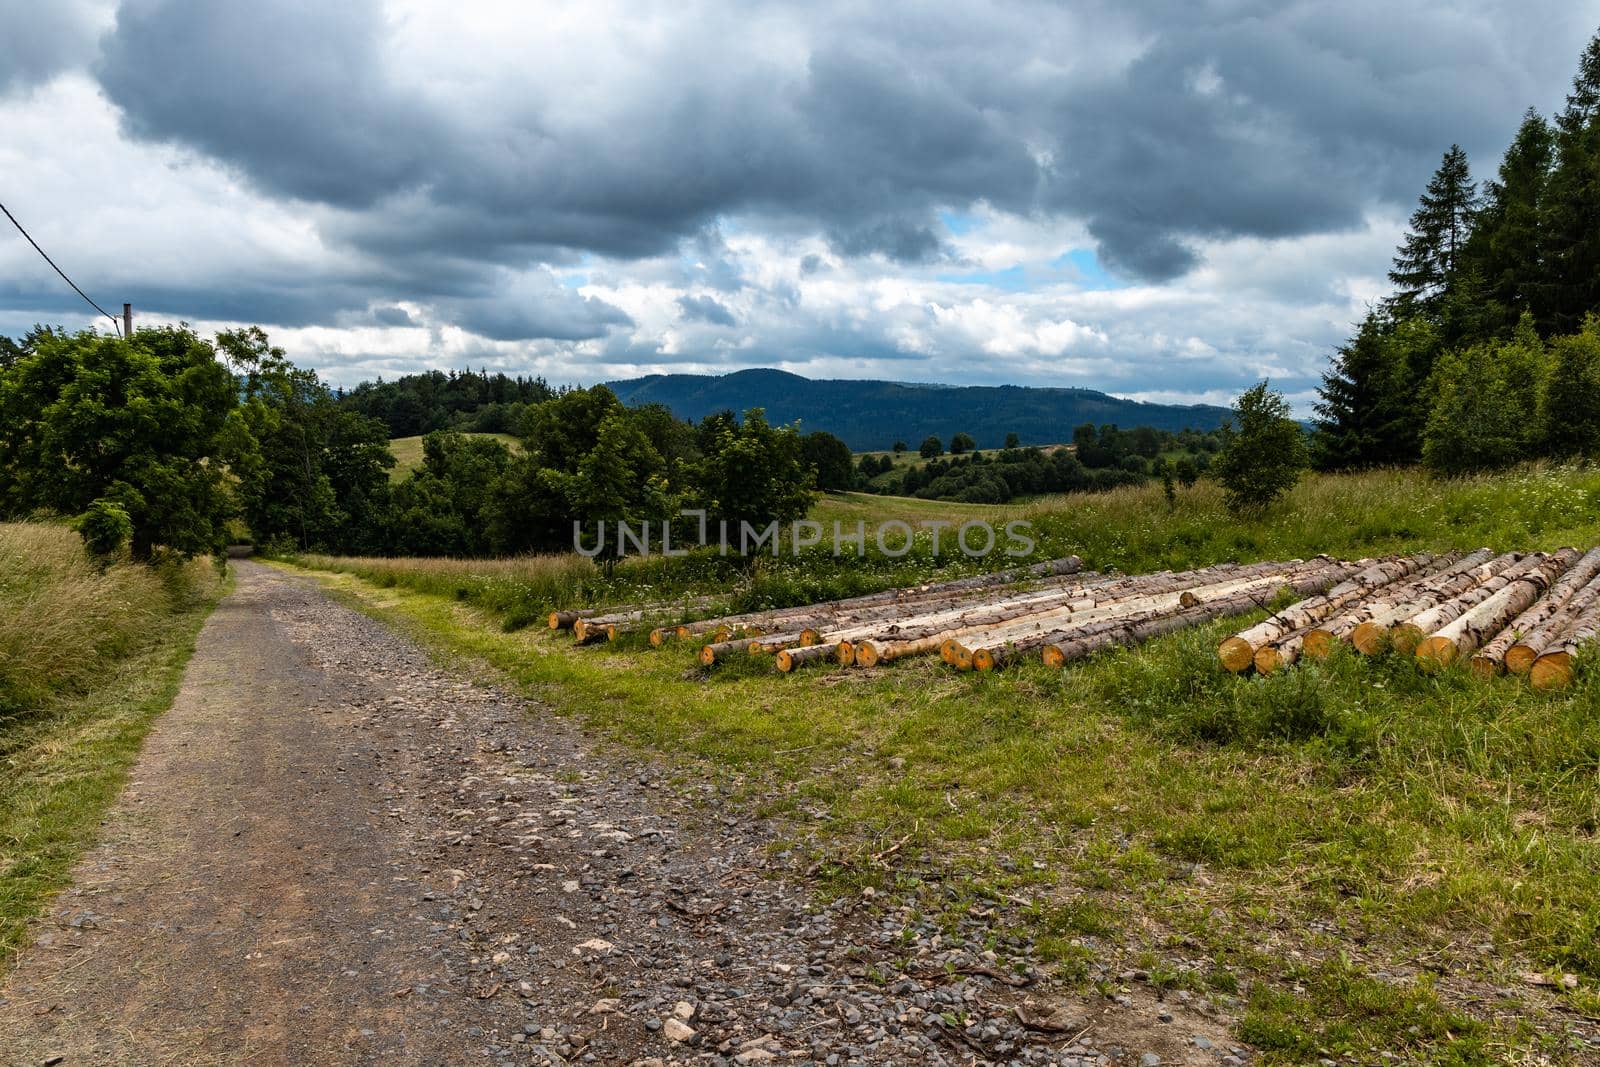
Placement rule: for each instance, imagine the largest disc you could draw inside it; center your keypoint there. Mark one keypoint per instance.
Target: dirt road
(331, 851)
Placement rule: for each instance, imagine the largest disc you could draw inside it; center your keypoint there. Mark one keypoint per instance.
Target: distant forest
(1488, 351)
(866, 415)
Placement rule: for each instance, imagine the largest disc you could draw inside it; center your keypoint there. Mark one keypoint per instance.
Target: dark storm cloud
(706, 309)
(1158, 125)
(38, 41)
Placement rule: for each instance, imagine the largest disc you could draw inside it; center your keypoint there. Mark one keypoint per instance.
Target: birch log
(1238, 652)
(1490, 660)
(1554, 669)
(1370, 636)
(1320, 639)
(1408, 634)
(1529, 646)
(1475, 628)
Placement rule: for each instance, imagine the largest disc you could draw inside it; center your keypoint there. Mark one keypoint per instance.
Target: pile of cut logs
(1528, 613)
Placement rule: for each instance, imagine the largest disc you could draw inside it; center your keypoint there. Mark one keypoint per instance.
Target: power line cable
(59, 271)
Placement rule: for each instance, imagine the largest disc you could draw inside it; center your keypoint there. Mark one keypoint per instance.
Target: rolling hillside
(872, 415)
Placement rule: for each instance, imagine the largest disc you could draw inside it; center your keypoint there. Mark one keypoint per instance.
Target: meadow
(89, 656)
(407, 451)
(1349, 858)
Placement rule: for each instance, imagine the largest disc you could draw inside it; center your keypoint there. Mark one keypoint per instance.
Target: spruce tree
(1505, 245)
(1571, 211)
(1427, 261)
(1362, 401)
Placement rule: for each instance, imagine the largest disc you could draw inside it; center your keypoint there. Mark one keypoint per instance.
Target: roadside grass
(1352, 857)
(88, 659)
(407, 451)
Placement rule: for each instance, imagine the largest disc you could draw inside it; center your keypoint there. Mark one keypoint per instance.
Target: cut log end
(1436, 653)
(809, 637)
(947, 649)
(1485, 667)
(1552, 671)
(1520, 658)
(1236, 654)
(785, 662)
(1267, 659)
(861, 653)
(555, 620)
(1053, 657)
(983, 660)
(1188, 599)
(1405, 638)
(658, 637)
(708, 656)
(685, 633)
(1318, 644)
(1367, 638)
(963, 659)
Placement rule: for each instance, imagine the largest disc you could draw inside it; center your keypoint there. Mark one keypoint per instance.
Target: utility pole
(127, 320)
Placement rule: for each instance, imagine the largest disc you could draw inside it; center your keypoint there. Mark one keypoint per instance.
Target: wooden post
(127, 320)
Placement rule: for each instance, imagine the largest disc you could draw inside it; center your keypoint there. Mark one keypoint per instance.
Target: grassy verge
(1349, 858)
(88, 659)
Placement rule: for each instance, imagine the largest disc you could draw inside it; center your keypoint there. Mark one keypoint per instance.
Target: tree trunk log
(1476, 628)
(1490, 660)
(1370, 636)
(1320, 639)
(1405, 636)
(1533, 634)
(1238, 652)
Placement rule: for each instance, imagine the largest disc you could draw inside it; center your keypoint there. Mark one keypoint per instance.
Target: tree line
(1488, 350)
(168, 443)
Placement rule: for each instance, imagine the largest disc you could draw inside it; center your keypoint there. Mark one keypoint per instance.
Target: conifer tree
(1571, 211)
(1363, 401)
(1505, 245)
(1427, 261)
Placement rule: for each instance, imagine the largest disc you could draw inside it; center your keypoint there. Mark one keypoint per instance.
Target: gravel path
(332, 852)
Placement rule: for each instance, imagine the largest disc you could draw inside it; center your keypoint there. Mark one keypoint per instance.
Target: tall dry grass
(65, 623)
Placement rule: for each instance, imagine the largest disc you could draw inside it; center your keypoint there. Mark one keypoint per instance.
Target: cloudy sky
(1167, 199)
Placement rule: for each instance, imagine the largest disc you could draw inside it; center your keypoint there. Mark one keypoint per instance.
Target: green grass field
(408, 451)
(88, 659)
(1350, 858)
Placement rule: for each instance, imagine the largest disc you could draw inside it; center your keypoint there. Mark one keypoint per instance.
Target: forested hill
(872, 415)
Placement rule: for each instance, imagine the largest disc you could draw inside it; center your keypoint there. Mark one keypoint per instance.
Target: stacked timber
(1546, 621)
(1045, 614)
(1371, 634)
(1475, 628)
(889, 603)
(1554, 667)
(1406, 635)
(1239, 651)
(1316, 638)
(1320, 639)
(1250, 588)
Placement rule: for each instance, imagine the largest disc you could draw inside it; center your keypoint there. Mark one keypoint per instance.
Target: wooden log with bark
(1238, 652)
(1318, 642)
(1372, 635)
(1406, 635)
(1490, 659)
(1556, 667)
(1475, 628)
(1540, 635)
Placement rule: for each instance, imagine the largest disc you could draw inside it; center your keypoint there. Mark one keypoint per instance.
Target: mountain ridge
(872, 414)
